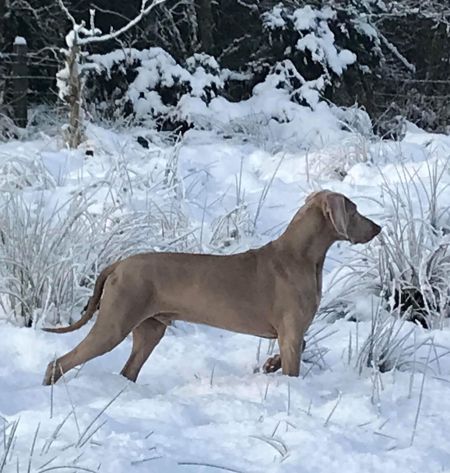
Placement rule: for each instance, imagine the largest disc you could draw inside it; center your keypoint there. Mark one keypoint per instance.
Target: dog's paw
(272, 364)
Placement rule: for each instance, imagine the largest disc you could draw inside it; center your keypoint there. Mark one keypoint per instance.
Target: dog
(271, 292)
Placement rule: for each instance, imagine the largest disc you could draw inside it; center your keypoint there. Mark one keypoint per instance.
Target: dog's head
(344, 219)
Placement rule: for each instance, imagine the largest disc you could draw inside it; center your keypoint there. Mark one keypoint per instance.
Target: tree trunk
(74, 99)
(20, 82)
(2, 48)
(205, 24)
(2, 24)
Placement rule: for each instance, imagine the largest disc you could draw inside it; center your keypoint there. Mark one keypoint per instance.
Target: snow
(20, 40)
(157, 69)
(306, 18)
(198, 86)
(270, 105)
(367, 29)
(315, 34)
(274, 18)
(197, 400)
(323, 50)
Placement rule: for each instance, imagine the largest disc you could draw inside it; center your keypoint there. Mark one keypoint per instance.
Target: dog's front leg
(290, 337)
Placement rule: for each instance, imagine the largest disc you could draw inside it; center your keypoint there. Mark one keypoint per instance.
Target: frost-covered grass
(54, 241)
(401, 278)
(372, 390)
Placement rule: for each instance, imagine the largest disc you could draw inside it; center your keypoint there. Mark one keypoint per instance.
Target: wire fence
(25, 77)
(28, 77)
(423, 101)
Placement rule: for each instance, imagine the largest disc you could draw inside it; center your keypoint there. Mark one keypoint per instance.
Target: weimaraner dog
(272, 292)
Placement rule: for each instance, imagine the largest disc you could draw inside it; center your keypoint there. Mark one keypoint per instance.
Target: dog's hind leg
(273, 363)
(103, 337)
(145, 338)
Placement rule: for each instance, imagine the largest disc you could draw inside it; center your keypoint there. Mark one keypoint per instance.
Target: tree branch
(393, 49)
(67, 12)
(145, 9)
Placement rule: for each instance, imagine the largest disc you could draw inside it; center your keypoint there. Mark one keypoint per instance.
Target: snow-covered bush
(311, 48)
(148, 84)
(323, 42)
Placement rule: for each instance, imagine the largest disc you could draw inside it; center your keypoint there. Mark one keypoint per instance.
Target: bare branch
(67, 12)
(397, 53)
(145, 9)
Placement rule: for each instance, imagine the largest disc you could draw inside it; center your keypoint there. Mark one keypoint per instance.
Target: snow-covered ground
(198, 405)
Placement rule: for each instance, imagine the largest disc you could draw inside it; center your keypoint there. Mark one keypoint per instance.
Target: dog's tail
(92, 305)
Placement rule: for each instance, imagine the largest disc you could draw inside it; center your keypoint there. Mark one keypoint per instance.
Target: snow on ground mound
(198, 406)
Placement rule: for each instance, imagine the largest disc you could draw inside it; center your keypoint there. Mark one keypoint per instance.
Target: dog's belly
(235, 322)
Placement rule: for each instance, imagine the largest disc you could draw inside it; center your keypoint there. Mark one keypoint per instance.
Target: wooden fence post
(20, 82)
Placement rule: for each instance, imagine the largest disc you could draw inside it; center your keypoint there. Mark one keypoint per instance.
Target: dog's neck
(308, 236)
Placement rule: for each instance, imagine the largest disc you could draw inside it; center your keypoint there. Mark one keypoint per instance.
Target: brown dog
(270, 292)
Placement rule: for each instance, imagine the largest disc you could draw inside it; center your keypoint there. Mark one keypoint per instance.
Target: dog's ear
(316, 195)
(311, 196)
(336, 210)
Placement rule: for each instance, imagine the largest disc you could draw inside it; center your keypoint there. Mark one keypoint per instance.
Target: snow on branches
(69, 79)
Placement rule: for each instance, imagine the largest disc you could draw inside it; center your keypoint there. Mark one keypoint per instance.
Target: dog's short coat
(273, 291)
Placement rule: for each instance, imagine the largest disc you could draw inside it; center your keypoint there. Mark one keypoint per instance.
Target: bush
(303, 50)
(148, 85)
(407, 267)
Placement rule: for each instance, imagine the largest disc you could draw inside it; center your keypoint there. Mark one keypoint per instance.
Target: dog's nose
(376, 229)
